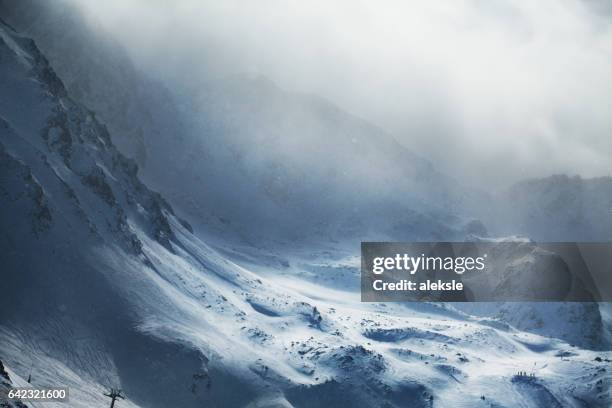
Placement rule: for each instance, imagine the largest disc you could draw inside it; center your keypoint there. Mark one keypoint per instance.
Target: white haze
(491, 90)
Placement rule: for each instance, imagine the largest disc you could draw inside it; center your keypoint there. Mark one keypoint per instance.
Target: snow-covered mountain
(103, 285)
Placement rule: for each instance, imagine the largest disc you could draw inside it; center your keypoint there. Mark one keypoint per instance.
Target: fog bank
(491, 91)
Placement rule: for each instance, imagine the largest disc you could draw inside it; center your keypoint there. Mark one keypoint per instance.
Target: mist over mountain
(495, 91)
(201, 235)
(290, 153)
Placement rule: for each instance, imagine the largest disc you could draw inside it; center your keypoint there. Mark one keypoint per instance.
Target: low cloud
(491, 90)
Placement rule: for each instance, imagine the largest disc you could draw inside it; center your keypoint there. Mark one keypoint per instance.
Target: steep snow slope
(65, 193)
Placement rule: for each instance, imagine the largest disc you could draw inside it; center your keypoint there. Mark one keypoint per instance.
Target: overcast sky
(491, 90)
